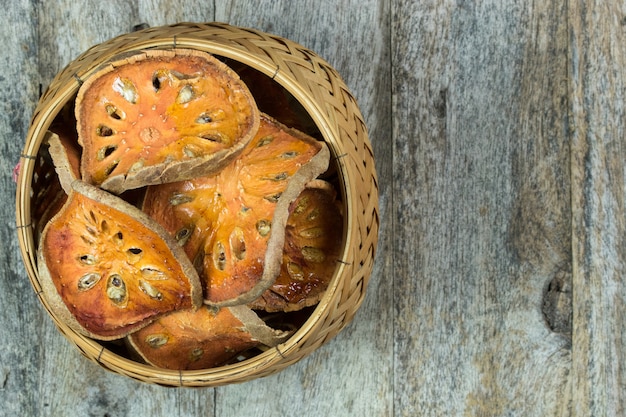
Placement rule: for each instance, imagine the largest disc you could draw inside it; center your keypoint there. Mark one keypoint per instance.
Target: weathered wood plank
(20, 317)
(68, 29)
(481, 206)
(597, 61)
(351, 375)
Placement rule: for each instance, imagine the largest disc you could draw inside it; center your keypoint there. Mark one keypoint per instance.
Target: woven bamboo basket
(319, 95)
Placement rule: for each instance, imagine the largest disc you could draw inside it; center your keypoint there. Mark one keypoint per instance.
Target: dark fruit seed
(106, 152)
(111, 168)
(116, 290)
(156, 83)
(126, 89)
(183, 235)
(153, 274)
(204, 118)
(279, 177)
(180, 198)
(88, 281)
(289, 154)
(104, 131)
(113, 112)
(196, 354)
(263, 227)
(273, 198)
(238, 243)
(185, 95)
(150, 290)
(219, 258)
(156, 340)
(88, 259)
(265, 141)
(213, 137)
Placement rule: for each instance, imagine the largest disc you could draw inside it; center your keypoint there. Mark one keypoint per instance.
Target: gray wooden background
(498, 288)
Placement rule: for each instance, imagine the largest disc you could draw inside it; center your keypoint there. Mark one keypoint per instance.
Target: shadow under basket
(312, 98)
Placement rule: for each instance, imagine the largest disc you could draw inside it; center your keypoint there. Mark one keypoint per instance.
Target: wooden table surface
(498, 287)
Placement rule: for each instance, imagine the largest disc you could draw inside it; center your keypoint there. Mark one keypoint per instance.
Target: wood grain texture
(597, 59)
(21, 315)
(498, 289)
(481, 207)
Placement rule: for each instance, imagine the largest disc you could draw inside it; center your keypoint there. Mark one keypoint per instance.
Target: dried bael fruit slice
(162, 116)
(65, 157)
(232, 224)
(202, 339)
(107, 269)
(313, 239)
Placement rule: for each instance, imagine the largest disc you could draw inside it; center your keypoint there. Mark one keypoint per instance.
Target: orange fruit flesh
(227, 218)
(157, 110)
(191, 340)
(110, 270)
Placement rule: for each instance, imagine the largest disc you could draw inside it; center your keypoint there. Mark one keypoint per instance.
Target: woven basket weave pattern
(318, 87)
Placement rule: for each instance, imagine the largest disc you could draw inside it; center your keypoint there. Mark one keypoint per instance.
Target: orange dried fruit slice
(232, 224)
(313, 240)
(107, 269)
(202, 339)
(162, 116)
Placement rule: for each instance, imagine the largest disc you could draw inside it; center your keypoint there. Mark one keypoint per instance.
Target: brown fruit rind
(162, 116)
(107, 269)
(66, 159)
